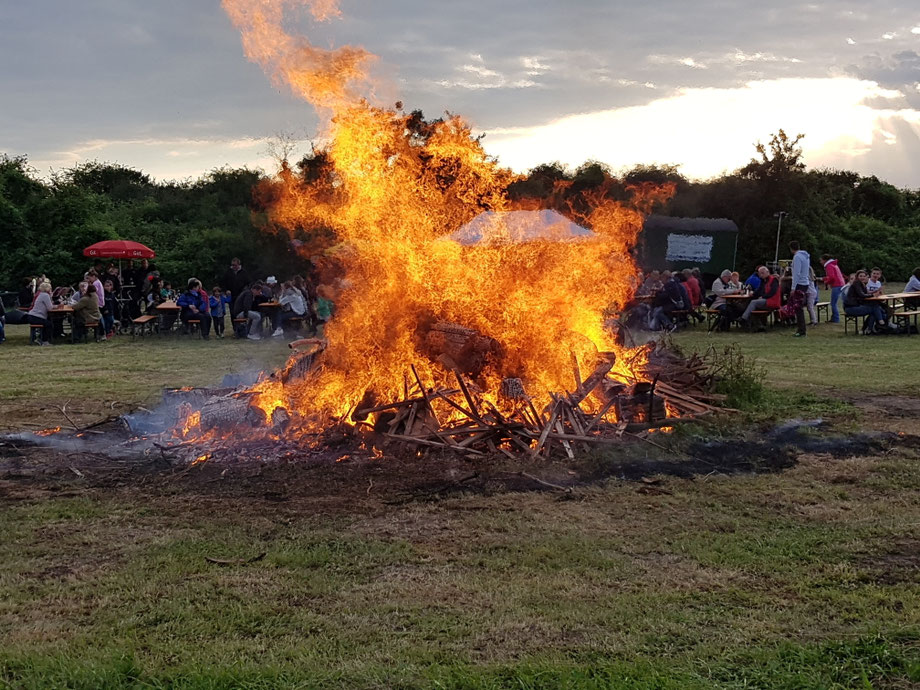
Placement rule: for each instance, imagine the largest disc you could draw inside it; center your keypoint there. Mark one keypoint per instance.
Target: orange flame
(392, 189)
(48, 432)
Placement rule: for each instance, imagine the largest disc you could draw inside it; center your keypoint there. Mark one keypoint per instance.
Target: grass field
(806, 578)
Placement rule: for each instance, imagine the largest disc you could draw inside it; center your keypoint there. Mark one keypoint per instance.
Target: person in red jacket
(833, 278)
(767, 296)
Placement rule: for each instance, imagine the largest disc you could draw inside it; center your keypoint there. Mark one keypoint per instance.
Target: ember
(435, 343)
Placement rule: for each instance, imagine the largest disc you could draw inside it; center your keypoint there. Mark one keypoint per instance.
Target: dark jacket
(110, 306)
(235, 282)
(670, 296)
(857, 294)
(246, 302)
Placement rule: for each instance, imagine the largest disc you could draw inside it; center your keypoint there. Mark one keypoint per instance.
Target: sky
(164, 86)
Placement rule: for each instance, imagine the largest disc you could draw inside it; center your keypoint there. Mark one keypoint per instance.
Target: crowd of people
(665, 300)
(109, 300)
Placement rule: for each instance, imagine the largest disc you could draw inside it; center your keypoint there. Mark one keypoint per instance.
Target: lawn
(805, 578)
(825, 360)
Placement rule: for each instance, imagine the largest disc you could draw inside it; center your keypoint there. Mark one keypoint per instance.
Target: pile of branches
(472, 425)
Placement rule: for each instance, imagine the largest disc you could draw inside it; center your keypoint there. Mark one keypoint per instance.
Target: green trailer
(709, 244)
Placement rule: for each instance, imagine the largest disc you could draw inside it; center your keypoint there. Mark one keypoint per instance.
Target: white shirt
(873, 286)
(913, 285)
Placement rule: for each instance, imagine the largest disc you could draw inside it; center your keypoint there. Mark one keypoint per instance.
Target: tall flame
(392, 192)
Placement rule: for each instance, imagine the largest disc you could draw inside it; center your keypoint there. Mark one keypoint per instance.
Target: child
(109, 307)
(218, 302)
(325, 307)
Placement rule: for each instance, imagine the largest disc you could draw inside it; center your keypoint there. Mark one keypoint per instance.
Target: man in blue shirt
(801, 263)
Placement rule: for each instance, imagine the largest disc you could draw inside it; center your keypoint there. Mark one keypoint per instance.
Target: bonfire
(496, 346)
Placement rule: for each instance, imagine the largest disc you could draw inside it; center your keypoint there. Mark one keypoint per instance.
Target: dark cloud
(899, 71)
(123, 69)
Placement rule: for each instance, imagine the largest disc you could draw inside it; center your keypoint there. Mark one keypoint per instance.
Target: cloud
(173, 158)
(708, 131)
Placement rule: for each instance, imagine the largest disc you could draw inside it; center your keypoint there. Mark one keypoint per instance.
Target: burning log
(461, 348)
(226, 412)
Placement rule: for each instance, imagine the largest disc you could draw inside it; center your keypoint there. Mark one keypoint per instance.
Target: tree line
(197, 226)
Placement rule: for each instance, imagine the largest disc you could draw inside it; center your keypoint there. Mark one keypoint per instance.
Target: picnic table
(167, 311)
(904, 316)
(63, 313)
(267, 309)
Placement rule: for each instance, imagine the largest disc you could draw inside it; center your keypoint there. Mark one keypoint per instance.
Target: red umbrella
(119, 249)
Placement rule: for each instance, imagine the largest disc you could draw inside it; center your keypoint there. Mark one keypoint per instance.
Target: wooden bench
(763, 315)
(905, 317)
(193, 325)
(825, 306)
(146, 325)
(84, 330)
(237, 323)
(296, 322)
(859, 323)
(35, 333)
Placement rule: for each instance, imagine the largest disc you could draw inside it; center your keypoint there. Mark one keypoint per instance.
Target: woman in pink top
(833, 278)
(92, 277)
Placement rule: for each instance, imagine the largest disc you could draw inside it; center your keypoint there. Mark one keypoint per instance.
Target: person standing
(235, 280)
(801, 265)
(833, 278)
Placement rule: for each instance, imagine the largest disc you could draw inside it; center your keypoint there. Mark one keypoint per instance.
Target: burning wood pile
(666, 389)
(463, 419)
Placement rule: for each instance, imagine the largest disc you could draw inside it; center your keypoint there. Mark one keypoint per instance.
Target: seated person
(736, 280)
(753, 280)
(766, 296)
(38, 315)
(874, 284)
(195, 306)
(721, 287)
(85, 311)
(669, 299)
(913, 285)
(246, 306)
(855, 304)
(325, 305)
(692, 286)
(652, 283)
(292, 305)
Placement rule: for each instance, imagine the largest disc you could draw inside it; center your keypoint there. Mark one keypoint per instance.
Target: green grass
(96, 379)
(800, 579)
(825, 360)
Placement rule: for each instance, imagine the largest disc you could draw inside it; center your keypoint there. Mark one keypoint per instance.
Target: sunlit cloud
(164, 158)
(708, 131)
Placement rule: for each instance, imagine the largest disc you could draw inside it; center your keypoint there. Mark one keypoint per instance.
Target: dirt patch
(347, 478)
(900, 563)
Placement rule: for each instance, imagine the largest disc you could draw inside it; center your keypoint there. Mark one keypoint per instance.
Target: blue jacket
(188, 299)
(218, 308)
(800, 263)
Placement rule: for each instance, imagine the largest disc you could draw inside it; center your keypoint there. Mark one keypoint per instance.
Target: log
(468, 349)
(224, 412)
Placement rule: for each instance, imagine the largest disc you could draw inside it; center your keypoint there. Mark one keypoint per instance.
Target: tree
(780, 159)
